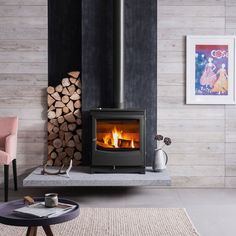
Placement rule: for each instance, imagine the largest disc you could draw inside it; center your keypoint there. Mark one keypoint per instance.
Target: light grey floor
(212, 211)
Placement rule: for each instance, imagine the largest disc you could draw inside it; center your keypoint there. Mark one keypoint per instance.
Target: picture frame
(210, 69)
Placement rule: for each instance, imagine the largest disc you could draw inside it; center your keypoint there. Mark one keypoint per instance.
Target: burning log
(117, 138)
(122, 143)
(104, 145)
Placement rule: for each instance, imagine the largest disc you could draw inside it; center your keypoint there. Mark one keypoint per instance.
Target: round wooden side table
(9, 218)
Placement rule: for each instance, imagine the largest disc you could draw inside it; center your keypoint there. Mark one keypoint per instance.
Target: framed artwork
(210, 70)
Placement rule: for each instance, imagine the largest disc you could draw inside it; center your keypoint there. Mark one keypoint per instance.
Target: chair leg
(6, 179)
(14, 174)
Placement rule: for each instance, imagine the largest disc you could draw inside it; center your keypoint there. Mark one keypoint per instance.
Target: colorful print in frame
(210, 70)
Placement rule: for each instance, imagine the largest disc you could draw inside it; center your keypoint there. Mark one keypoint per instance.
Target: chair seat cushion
(5, 158)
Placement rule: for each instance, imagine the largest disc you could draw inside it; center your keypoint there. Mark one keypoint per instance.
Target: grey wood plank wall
(203, 153)
(23, 76)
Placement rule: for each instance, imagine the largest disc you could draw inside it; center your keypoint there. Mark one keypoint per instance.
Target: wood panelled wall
(203, 153)
(23, 75)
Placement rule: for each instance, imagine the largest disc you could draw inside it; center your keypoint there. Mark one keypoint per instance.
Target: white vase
(160, 160)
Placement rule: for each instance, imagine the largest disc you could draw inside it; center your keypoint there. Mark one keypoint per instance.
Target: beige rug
(119, 222)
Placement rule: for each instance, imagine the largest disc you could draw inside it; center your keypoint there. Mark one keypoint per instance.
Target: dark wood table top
(8, 217)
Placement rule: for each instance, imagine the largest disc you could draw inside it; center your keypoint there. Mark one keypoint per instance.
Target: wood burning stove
(118, 140)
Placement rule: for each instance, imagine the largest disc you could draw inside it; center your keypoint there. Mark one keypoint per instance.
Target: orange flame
(113, 138)
(132, 144)
(116, 135)
(107, 138)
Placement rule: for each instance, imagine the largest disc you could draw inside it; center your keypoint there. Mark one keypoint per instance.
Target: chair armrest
(10, 145)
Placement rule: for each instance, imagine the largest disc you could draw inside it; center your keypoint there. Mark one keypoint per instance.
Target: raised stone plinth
(81, 176)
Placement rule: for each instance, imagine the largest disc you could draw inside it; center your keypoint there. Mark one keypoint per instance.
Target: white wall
(203, 153)
(23, 75)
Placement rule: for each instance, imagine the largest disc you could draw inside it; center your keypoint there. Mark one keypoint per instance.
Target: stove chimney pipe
(118, 53)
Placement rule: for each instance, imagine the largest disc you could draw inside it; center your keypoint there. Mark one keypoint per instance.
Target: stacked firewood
(64, 121)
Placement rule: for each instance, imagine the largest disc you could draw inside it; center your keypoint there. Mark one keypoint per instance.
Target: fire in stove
(118, 135)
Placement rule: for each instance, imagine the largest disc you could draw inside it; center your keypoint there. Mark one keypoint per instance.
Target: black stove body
(118, 141)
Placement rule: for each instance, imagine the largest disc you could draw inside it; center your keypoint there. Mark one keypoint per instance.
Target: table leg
(48, 230)
(32, 231)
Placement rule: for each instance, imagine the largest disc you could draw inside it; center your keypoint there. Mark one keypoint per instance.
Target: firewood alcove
(64, 121)
(64, 82)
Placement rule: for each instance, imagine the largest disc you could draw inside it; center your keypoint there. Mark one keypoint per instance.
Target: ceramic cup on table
(51, 199)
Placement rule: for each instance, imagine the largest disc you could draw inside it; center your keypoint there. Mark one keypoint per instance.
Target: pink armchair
(8, 143)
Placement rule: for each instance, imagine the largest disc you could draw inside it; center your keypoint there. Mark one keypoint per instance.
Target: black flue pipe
(118, 53)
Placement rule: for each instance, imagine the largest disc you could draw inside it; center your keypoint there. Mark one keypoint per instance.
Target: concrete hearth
(80, 176)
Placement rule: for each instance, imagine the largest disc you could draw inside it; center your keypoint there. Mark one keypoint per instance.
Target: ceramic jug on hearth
(160, 160)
